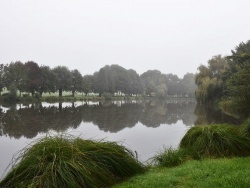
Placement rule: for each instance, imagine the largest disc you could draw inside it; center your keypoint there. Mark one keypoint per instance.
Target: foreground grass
(72, 162)
(228, 173)
(219, 140)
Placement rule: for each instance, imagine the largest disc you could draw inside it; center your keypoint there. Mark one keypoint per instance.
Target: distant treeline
(31, 78)
(227, 80)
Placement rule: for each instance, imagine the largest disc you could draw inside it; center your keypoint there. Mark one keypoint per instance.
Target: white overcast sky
(173, 36)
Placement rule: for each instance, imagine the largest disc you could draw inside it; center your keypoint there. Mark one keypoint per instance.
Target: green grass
(170, 157)
(216, 141)
(228, 173)
(246, 127)
(72, 162)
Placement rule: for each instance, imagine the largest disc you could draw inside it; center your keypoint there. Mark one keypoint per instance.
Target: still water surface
(145, 127)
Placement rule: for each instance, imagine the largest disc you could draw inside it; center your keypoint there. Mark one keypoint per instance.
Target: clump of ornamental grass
(170, 157)
(246, 127)
(216, 141)
(71, 162)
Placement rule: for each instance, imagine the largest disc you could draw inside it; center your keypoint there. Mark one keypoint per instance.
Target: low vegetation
(72, 162)
(170, 157)
(205, 156)
(204, 143)
(207, 173)
(216, 141)
(246, 127)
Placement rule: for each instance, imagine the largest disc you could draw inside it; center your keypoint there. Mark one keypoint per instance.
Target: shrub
(68, 162)
(170, 157)
(216, 141)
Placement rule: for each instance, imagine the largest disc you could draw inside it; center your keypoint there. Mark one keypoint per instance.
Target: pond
(143, 126)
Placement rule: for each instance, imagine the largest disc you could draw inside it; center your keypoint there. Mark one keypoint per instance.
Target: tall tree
(189, 86)
(47, 78)
(136, 86)
(76, 82)
(174, 85)
(101, 83)
(238, 86)
(210, 80)
(121, 79)
(151, 79)
(87, 84)
(33, 77)
(63, 79)
(14, 76)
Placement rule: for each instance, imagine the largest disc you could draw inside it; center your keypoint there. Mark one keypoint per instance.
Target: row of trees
(32, 78)
(115, 79)
(226, 79)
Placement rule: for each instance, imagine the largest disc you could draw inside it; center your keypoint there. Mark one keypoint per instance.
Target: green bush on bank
(216, 141)
(211, 141)
(72, 162)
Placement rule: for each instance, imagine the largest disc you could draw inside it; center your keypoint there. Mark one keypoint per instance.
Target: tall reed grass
(72, 162)
(216, 141)
(170, 157)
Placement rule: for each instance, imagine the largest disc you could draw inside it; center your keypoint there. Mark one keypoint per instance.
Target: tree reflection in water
(30, 120)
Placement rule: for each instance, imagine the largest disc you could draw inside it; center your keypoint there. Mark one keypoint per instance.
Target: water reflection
(144, 126)
(207, 114)
(30, 120)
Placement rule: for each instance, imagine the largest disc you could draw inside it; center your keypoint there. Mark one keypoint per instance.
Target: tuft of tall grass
(170, 157)
(72, 162)
(246, 127)
(216, 141)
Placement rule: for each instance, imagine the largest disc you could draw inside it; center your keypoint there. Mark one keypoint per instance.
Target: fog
(171, 36)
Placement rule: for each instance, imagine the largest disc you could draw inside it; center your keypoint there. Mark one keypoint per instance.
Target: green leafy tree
(63, 79)
(121, 80)
(14, 73)
(173, 83)
(33, 77)
(151, 80)
(136, 86)
(87, 84)
(189, 86)
(210, 80)
(47, 80)
(76, 82)
(238, 86)
(101, 83)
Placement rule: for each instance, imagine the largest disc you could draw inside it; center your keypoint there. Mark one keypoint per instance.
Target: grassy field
(209, 173)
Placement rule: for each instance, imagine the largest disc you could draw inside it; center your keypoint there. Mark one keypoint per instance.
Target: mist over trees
(31, 78)
(226, 79)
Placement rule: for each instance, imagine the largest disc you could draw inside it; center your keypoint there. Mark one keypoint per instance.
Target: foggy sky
(173, 36)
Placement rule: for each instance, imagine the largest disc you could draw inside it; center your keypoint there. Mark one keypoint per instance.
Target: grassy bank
(208, 173)
(208, 156)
